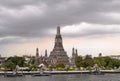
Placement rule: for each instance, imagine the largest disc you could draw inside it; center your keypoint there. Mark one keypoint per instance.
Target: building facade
(115, 56)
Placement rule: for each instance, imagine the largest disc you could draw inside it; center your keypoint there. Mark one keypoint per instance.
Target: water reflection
(69, 77)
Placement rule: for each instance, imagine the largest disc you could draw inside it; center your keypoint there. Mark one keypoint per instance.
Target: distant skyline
(91, 26)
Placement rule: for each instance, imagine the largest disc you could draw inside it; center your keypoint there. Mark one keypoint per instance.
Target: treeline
(103, 62)
(11, 62)
(80, 62)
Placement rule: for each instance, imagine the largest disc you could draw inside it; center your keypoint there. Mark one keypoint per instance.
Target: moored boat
(12, 75)
(41, 74)
(97, 73)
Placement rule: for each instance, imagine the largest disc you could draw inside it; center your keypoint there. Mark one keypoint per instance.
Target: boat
(13, 75)
(96, 70)
(44, 74)
(96, 73)
(41, 74)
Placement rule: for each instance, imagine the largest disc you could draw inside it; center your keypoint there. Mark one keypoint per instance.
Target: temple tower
(37, 60)
(37, 52)
(46, 53)
(58, 54)
(74, 54)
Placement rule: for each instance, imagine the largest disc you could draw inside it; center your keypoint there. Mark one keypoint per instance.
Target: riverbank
(57, 72)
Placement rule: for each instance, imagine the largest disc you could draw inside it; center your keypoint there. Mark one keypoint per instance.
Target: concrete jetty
(57, 72)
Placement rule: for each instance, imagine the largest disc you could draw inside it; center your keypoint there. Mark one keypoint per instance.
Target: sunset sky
(91, 26)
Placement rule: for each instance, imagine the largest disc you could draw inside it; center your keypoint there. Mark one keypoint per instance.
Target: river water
(65, 77)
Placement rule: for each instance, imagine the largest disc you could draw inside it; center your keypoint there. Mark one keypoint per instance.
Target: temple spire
(76, 52)
(58, 30)
(46, 53)
(58, 40)
(37, 52)
(73, 52)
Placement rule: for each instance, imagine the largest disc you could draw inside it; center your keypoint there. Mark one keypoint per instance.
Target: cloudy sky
(91, 26)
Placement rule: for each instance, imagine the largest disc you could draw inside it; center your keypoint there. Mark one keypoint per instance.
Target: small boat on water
(12, 75)
(96, 70)
(97, 73)
(41, 74)
(44, 74)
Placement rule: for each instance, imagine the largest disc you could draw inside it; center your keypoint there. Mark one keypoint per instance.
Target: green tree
(100, 61)
(60, 65)
(10, 64)
(87, 61)
(15, 61)
(78, 61)
(0, 65)
(116, 63)
(111, 63)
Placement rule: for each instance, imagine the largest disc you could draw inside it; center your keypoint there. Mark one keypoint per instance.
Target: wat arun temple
(57, 55)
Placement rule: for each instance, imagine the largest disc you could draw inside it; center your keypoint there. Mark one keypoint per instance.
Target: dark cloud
(34, 18)
(11, 40)
(17, 3)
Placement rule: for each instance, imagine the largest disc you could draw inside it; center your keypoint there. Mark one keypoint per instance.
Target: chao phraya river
(65, 77)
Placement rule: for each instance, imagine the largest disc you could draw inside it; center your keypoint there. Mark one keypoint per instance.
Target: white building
(115, 56)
